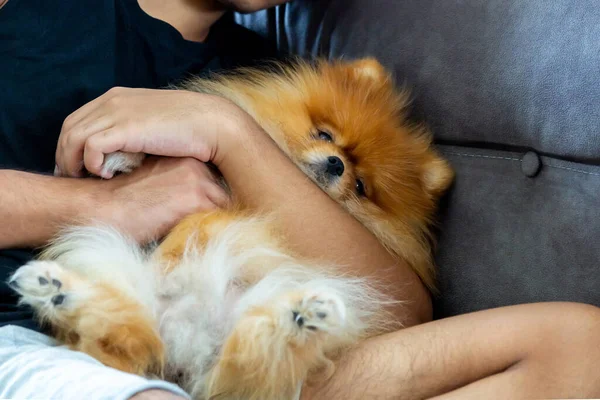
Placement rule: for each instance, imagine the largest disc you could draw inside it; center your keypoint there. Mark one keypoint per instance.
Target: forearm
(33, 207)
(315, 226)
(211, 128)
(538, 350)
(426, 360)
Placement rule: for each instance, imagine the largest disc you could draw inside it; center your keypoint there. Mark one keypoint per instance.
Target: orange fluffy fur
(358, 104)
(355, 104)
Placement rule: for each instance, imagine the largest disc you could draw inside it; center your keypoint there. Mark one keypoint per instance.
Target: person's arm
(143, 204)
(184, 124)
(317, 227)
(526, 351)
(34, 206)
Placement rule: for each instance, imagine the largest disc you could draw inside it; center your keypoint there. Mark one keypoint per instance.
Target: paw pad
(320, 311)
(39, 283)
(58, 299)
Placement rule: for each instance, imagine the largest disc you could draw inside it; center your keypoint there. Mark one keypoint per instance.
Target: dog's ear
(437, 175)
(369, 68)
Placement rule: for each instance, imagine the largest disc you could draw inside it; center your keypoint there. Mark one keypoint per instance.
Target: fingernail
(56, 170)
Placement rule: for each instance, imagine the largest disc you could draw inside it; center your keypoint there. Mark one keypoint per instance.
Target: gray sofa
(511, 89)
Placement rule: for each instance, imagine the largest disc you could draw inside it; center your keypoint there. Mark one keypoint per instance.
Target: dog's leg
(276, 347)
(121, 162)
(197, 230)
(91, 317)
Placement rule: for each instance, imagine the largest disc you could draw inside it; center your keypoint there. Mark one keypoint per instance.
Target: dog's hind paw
(320, 311)
(41, 284)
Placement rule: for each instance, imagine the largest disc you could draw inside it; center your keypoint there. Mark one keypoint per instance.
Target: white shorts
(34, 366)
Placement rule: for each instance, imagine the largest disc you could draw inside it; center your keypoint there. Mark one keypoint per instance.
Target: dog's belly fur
(234, 313)
(193, 324)
(232, 305)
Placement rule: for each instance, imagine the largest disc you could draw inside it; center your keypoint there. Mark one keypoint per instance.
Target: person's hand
(173, 123)
(153, 198)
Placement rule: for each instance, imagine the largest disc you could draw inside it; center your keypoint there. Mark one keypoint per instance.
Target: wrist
(97, 205)
(236, 132)
(84, 199)
(38, 206)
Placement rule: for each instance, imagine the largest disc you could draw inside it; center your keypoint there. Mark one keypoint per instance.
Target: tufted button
(531, 164)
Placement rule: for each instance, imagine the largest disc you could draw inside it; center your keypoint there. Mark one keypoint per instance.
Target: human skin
(144, 204)
(537, 350)
(542, 350)
(213, 129)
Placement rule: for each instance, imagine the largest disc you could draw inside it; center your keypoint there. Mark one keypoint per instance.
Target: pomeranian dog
(220, 306)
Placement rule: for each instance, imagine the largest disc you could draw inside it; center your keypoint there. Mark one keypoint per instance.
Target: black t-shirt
(57, 56)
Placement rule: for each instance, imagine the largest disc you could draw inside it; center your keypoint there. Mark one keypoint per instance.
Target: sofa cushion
(516, 233)
(510, 90)
(511, 72)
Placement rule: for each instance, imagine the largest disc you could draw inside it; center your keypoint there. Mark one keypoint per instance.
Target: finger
(72, 165)
(217, 195)
(98, 145)
(76, 128)
(206, 205)
(76, 116)
(70, 153)
(62, 162)
(70, 123)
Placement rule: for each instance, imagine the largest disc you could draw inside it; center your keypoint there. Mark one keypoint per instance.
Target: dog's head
(344, 125)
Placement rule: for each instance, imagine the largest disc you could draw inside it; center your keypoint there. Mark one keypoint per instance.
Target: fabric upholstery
(510, 90)
(509, 238)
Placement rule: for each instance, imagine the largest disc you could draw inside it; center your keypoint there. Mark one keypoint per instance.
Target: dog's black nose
(335, 166)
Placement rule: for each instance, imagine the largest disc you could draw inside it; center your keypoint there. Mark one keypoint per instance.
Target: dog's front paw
(320, 310)
(121, 162)
(40, 283)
